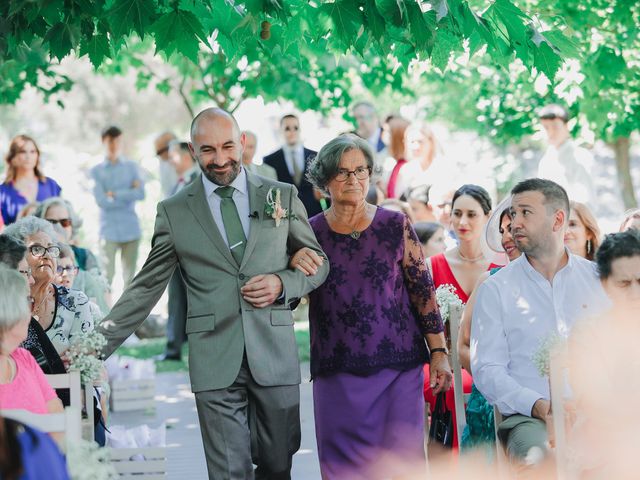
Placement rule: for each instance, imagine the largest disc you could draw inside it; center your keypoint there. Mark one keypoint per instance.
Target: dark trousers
(247, 424)
(177, 314)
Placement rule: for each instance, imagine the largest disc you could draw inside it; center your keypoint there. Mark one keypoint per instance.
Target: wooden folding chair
(67, 423)
(460, 398)
(71, 380)
(501, 457)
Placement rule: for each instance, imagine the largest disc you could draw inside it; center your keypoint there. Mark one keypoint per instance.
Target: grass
(150, 348)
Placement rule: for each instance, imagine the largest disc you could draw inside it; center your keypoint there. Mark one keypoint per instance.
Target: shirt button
(241, 276)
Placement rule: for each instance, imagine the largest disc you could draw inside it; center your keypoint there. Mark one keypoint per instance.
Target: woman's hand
(440, 373)
(306, 260)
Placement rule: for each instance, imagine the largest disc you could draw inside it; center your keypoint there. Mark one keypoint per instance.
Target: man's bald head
(217, 144)
(211, 115)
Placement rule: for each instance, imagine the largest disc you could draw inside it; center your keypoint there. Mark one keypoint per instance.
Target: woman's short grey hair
(326, 164)
(43, 208)
(28, 226)
(14, 305)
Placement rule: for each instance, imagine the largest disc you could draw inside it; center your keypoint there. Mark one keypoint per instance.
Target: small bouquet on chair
(441, 428)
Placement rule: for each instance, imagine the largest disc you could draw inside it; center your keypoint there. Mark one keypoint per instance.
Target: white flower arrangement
(273, 207)
(87, 461)
(445, 296)
(84, 355)
(542, 357)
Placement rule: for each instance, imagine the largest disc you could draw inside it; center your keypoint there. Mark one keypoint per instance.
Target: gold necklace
(469, 260)
(355, 233)
(36, 316)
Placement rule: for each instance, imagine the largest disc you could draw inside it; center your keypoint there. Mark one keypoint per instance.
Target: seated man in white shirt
(540, 294)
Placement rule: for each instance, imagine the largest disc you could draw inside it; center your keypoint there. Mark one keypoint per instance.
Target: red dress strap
(393, 179)
(442, 274)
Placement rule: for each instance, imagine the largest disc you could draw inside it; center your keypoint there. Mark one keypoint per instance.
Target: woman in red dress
(462, 265)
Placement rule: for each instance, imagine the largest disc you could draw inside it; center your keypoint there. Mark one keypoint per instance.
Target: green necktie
(232, 224)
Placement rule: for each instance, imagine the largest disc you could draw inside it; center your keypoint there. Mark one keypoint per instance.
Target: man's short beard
(224, 179)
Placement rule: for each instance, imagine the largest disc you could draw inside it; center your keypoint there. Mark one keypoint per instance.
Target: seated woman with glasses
(13, 255)
(58, 211)
(69, 275)
(61, 312)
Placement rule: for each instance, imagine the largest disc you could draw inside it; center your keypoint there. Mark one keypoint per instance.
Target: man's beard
(222, 178)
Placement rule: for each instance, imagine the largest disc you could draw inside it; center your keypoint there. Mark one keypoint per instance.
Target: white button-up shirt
(240, 197)
(515, 311)
(571, 167)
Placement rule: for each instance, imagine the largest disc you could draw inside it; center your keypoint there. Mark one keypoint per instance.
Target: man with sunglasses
(291, 163)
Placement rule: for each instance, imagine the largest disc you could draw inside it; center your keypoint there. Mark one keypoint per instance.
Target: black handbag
(441, 428)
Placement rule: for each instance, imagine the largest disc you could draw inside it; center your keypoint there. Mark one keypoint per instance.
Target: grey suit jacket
(220, 325)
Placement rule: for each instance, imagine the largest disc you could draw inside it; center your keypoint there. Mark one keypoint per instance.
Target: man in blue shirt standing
(118, 185)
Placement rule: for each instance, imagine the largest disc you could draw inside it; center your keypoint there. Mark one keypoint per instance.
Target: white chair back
(460, 399)
(67, 423)
(71, 380)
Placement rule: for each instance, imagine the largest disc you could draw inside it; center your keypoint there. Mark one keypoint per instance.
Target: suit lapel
(257, 199)
(199, 206)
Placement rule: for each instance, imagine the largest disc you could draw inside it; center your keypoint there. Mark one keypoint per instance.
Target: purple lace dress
(368, 322)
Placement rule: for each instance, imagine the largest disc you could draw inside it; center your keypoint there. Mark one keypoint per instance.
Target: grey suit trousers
(177, 310)
(247, 424)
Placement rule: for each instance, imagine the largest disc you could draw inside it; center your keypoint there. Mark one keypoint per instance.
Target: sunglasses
(64, 222)
(27, 273)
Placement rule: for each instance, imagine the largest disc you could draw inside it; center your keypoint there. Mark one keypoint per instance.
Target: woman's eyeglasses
(27, 273)
(68, 270)
(65, 222)
(361, 173)
(39, 251)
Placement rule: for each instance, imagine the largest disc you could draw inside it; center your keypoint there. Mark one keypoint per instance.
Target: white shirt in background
(515, 311)
(571, 167)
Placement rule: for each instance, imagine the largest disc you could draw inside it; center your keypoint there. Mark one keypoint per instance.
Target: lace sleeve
(419, 284)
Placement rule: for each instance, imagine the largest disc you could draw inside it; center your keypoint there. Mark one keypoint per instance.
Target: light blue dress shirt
(240, 197)
(118, 219)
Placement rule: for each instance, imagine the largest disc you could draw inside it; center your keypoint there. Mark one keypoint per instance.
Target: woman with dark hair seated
(431, 236)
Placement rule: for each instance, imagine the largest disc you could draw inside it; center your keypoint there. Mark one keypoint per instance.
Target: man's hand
(110, 195)
(262, 290)
(135, 184)
(541, 409)
(306, 260)
(440, 373)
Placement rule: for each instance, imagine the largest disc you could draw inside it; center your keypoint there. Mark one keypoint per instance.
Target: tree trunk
(621, 148)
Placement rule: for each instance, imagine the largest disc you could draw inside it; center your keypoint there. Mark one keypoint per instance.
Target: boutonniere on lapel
(273, 207)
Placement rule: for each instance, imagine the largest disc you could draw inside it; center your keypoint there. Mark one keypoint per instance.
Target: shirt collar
(118, 160)
(239, 183)
(533, 273)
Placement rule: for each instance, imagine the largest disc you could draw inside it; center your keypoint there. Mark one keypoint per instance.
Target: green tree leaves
(179, 31)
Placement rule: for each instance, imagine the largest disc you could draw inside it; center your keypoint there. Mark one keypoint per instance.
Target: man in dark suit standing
(291, 162)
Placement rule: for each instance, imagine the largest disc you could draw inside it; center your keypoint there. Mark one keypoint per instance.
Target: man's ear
(559, 220)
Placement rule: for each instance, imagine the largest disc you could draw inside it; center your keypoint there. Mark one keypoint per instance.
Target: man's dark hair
(426, 230)
(617, 245)
(553, 111)
(289, 115)
(183, 146)
(111, 132)
(554, 195)
(12, 251)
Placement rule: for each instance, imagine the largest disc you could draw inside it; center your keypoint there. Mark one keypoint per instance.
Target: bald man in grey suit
(243, 358)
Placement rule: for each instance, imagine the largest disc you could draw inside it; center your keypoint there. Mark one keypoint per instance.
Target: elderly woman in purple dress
(24, 183)
(369, 322)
